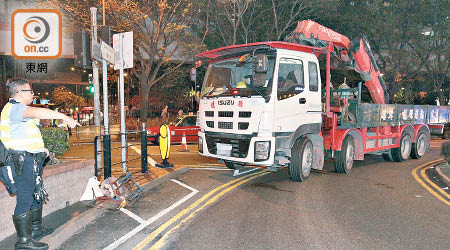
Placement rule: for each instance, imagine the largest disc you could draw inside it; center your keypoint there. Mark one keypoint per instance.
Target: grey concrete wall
(64, 182)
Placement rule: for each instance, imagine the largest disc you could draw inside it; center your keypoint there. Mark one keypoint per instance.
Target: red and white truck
(264, 104)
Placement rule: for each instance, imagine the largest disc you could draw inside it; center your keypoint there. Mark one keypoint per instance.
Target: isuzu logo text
(36, 34)
(226, 102)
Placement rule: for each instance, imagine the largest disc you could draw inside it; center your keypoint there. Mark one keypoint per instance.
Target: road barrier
(106, 154)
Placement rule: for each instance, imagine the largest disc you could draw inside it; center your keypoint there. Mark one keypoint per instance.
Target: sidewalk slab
(69, 220)
(444, 172)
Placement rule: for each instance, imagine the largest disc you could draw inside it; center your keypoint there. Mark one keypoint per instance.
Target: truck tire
(233, 165)
(344, 158)
(420, 147)
(302, 158)
(402, 153)
(387, 156)
(446, 134)
(230, 165)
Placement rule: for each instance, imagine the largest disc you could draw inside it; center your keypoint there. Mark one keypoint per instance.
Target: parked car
(186, 124)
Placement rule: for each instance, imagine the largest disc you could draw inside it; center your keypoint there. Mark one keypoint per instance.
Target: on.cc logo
(36, 34)
(36, 29)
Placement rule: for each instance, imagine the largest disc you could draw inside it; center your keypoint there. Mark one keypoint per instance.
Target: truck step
(282, 160)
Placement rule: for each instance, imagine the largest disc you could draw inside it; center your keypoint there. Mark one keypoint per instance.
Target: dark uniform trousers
(26, 184)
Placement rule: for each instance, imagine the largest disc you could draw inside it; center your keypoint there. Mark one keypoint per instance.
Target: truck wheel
(230, 165)
(402, 153)
(233, 165)
(344, 158)
(302, 159)
(446, 135)
(419, 148)
(387, 156)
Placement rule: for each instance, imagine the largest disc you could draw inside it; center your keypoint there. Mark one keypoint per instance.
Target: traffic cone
(184, 144)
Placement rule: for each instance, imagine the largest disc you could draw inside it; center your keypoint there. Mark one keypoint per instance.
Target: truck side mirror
(260, 63)
(259, 80)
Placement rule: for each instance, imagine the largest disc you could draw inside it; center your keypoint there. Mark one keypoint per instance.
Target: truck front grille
(239, 145)
(210, 124)
(245, 114)
(225, 113)
(225, 125)
(243, 125)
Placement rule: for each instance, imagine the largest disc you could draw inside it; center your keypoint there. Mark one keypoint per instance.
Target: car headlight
(262, 150)
(200, 144)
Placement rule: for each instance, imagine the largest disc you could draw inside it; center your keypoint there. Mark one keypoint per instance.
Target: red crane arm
(311, 33)
(311, 29)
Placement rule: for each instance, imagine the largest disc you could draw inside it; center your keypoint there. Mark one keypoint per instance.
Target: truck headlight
(262, 150)
(200, 144)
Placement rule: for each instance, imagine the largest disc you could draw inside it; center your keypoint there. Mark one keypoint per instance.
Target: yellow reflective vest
(17, 133)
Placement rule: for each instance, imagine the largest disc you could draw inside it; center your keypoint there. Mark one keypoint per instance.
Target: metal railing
(106, 153)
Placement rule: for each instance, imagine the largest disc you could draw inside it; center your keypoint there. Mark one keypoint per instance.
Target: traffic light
(82, 49)
(105, 34)
(91, 83)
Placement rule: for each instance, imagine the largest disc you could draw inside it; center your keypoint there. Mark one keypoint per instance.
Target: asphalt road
(380, 205)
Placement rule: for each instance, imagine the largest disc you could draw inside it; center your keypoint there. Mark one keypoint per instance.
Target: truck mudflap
(208, 148)
(318, 158)
(285, 143)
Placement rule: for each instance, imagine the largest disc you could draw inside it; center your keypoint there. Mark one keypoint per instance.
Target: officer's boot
(23, 227)
(37, 231)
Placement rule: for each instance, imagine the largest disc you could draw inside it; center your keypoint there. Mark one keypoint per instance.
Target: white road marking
(214, 169)
(154, 218)
(184, 185)
(149, 159)
(211, 164)
(132, 215)
(237, 173)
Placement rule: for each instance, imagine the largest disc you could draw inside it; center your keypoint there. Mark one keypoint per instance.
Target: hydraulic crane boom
(356, 53)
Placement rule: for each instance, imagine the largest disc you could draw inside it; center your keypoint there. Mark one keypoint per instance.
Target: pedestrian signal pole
(96, 87)
(122, 109)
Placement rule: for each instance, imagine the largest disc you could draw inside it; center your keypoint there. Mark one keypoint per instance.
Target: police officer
(20, 134)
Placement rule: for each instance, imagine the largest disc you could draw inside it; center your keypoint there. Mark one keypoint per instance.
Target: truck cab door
(297, 102)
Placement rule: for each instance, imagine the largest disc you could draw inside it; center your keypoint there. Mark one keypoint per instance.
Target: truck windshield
(231, 78)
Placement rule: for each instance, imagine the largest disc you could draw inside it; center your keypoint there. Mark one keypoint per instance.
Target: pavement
(71, 219)
(444, 172)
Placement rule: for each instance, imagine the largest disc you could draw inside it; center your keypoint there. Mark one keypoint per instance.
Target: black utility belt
(28, 154)
(18, 159)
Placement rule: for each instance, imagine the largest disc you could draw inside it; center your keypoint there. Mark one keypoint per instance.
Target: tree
(64, 97)
(389, 25)
(246, 21)
(432, 44)
(228, 17)
(162, 30)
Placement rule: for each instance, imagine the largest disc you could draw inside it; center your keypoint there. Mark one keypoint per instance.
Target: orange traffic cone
(184, 144)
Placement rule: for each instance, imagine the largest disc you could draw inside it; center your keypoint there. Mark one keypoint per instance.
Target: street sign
(193, 74)
(107, 52)
(127, 45)
(96, 51)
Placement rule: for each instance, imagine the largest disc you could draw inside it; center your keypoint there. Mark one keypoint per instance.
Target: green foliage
(404, 96)
(55, 140)
(445, 151)
(65, 98)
